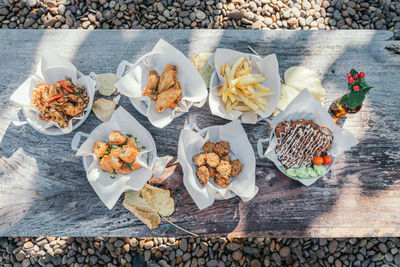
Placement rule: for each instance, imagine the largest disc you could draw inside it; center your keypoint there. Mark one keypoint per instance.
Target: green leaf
(344, 100)
(365, 90)
(363, 84)
(353, 71)
(356, 99)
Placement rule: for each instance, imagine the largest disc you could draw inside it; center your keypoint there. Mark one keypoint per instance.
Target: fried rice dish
(59, 102)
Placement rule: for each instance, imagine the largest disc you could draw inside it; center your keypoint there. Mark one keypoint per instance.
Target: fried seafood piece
(208, 147)
(168, 78)
(131, 141)
(212, 171)
(115, 154)
(237, 167)
(151, 89)
(224, 168)
(117, 138)
(169, 98)
(124, 169)
(212, 160)
(73, 109)
(106, 164)
(199, 159)
(222, 148)
(221, 180)
(128, 153)
(100, 148)
(226, 158)
(203, 174)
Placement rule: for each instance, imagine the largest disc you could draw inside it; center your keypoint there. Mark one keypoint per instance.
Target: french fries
(242, 89)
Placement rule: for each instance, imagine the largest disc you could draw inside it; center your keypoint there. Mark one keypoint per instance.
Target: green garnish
(96, 151)
(98, 146)
(112, 176)
(114, 146)
(136, 139)
(122, 152)
(143, 147)
(130, 166)
(129, 135)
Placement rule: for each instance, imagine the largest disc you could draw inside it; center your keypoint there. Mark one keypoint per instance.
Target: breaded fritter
(222, 148)
(212, 160)
(237, 167)
(203, 174)
(199, 159)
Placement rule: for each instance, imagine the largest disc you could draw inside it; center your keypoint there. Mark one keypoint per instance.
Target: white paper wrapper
(268, 66)
(109, 190)
(307, 107)
(194, 90)
(191, 141)
(51, 69)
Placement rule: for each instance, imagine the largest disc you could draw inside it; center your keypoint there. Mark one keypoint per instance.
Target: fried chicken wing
(151, 89)
(116, 138)
(128, 153)
(168, 78)
(100, 149)
(169, 98)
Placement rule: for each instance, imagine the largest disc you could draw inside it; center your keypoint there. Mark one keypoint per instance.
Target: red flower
(356, 76)
(350, 80)
(362, 74)
(356, 87)
(348, 75)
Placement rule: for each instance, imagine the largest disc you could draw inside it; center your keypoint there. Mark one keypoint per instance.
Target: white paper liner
(268, 66)
(307, 107)
(194, 90)
(51, 69)
(109, 190)
(190, 144)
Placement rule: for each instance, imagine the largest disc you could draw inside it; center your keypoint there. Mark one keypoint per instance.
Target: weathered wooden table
(44, 191)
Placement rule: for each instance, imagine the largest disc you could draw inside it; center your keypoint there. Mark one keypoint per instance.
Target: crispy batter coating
(224, 168)
(212, 171)
(151, 89)
(116, 162)
(222, 148)
(125, 169)
(203, 174)
(117, 138)
(106, 164)
(199, 159)
(226, 158)
(221, 180)
(237, 167)
(212, 160)
(100, 149)
(208, 147)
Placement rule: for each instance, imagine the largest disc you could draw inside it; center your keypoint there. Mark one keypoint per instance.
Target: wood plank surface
(44, 191)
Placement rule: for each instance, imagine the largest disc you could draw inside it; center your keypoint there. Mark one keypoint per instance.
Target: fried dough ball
(212, 172)
(224, 168)
(106, 164)
(221, 180)
(226, 158)
(100, 149)
(212, 160)
(222, 148)
(203, 174)
(208, 147)
(199, 159)
(116, 138)
(128, 153)
(237, 167)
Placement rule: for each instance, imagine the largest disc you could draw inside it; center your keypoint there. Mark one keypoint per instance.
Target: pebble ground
(254, 252)
(212, 14)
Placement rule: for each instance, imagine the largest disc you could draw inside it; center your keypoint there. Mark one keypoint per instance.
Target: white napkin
(109, 190)
(194, 90)
(307, 107)
(268, 66)
(52, 68)
(191, 141)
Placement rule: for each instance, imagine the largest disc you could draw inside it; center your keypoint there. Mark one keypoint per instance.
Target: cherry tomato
(328, 160)
(318, 160)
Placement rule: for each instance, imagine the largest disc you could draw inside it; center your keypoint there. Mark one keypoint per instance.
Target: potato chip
(297, 79)
(149, 203)
(107, 83)
(200, 61)
(103, 109)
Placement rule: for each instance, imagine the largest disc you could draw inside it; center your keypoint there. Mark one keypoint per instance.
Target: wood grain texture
(44, 191)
